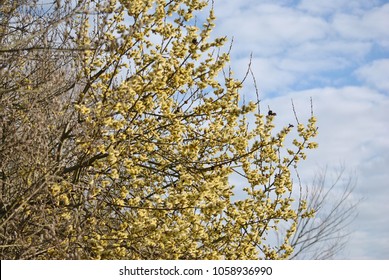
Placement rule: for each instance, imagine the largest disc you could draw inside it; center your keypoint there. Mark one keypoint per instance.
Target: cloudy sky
(337, 52)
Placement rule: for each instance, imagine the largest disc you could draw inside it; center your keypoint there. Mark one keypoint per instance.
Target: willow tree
(131, 135)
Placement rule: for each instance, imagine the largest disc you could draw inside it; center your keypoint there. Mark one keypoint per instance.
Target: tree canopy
(120, 127)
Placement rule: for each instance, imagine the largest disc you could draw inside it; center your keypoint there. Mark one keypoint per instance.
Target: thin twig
(294, 112)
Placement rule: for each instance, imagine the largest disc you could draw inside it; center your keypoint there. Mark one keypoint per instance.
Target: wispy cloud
(375, 74)
(330, 7)
(370, 25)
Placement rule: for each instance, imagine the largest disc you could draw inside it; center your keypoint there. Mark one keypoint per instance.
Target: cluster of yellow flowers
(168, 135)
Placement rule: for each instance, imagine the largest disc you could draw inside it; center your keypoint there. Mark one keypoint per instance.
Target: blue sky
(337, 52)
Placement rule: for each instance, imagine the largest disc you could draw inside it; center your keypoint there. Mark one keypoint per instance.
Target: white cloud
(293, 47)
(267, 28)
(331, 49)
(332, 6)
(376, 74)
(371, 25)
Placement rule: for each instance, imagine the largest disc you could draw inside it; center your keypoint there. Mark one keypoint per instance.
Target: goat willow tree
(120, 127)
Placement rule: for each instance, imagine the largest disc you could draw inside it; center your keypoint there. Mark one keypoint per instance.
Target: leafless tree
(38, 76)
(333, 200)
